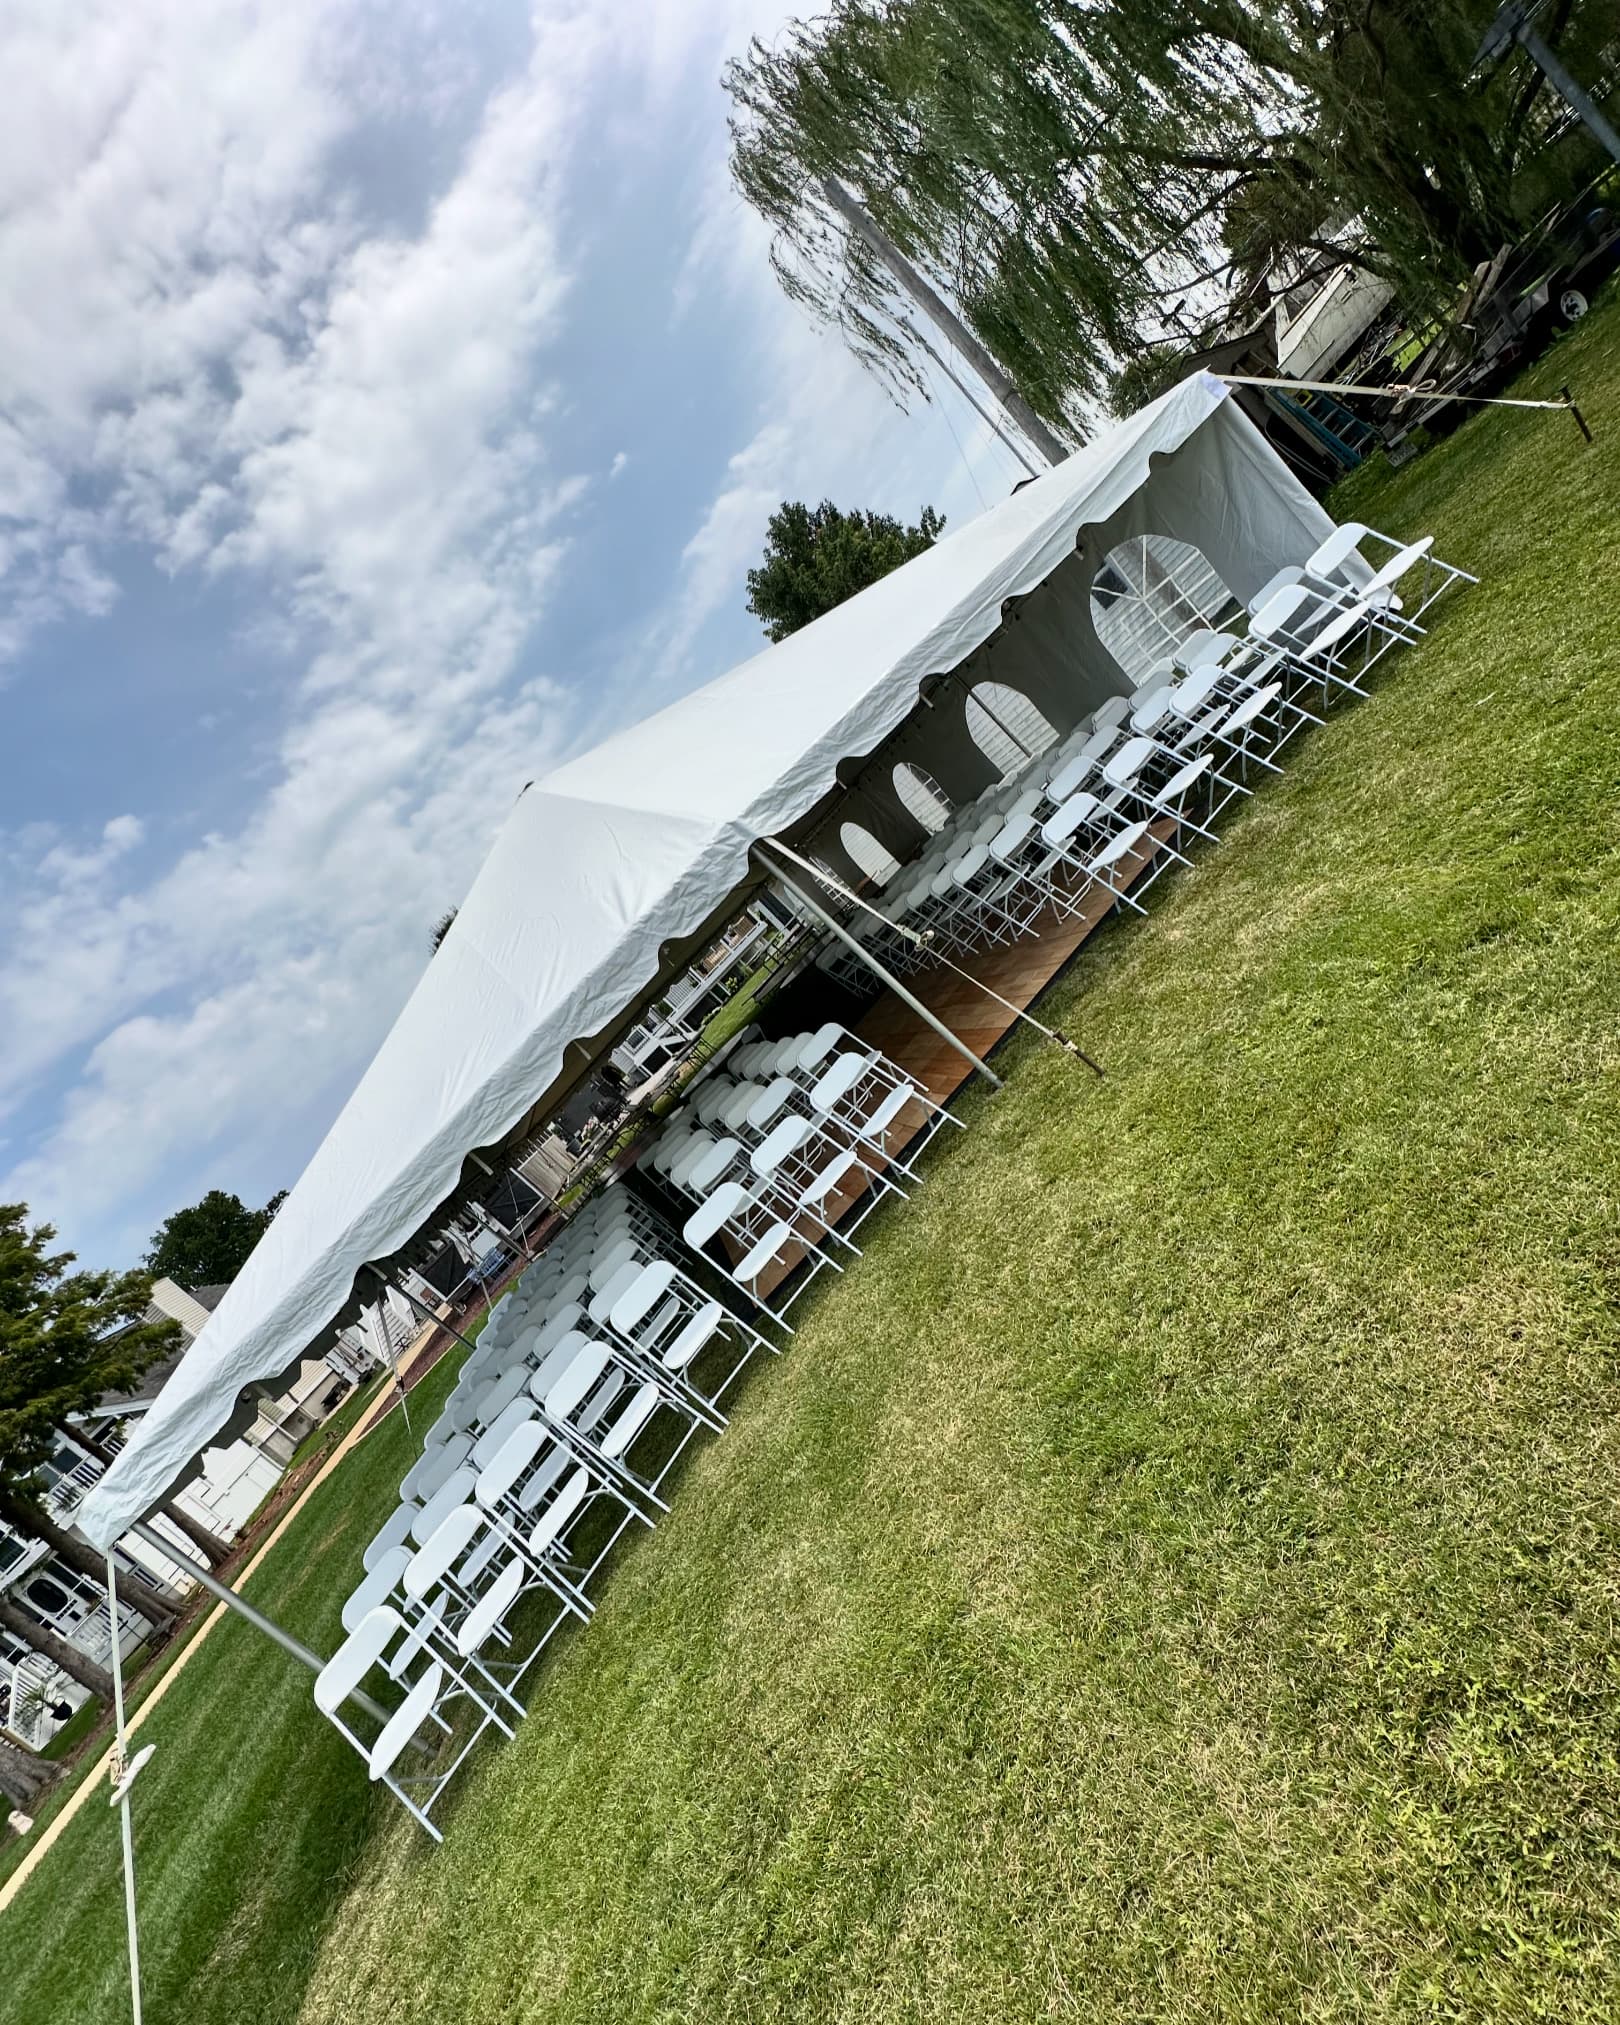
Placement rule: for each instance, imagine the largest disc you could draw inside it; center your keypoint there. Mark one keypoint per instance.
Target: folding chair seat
(441, 1461)
(1238, 727)
(761, 1240)
(466, 1580)
(456, 1489)
(515, 1410)
(380, 1582)
(1109, 714)
(597, 1400)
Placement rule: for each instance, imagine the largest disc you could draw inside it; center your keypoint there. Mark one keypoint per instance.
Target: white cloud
(219, 355)
(727, 542)
(353, 418)
(827, 428)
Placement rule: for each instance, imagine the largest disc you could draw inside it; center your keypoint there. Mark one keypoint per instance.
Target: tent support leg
(423, 1310)
(229, 1597)
(122, 1763)
(516, 1233)
(779, 871)
(233, 1600)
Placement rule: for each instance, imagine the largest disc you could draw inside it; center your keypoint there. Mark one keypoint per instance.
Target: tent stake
(780, 871)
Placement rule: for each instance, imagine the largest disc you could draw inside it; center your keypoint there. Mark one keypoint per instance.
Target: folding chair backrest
(380, 1583)
(355, 1658)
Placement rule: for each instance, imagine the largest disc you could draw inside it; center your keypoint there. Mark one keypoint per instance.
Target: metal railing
(66, 1495)
(30, 1688)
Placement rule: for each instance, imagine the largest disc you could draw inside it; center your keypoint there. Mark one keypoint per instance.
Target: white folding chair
(383, 1641)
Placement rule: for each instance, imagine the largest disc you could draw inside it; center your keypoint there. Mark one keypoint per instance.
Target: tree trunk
(22, 1515)
(23, 1775)
(56, 1649)
(213, 1549)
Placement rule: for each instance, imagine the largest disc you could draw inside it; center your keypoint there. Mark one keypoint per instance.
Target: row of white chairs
(1108, 808)
(782, 1151)
(586, 1385)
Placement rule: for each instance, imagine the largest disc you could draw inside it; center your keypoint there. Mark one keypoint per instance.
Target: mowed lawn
(1175, 1574)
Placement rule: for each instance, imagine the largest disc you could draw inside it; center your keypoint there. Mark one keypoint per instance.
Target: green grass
(234, 1827)
(320, 1441)
(1174, 1575)
(74, 1731)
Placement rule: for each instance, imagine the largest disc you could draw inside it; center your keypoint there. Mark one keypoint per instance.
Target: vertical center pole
(122, 1763)
(425, 1312)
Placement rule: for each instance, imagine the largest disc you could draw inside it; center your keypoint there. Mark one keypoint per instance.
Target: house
(671, 1028)
(35, 1697)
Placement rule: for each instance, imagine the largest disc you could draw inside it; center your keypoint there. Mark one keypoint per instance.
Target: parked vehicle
(1517, 304)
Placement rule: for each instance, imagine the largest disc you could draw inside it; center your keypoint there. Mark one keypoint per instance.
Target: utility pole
(938, 311)
(1514, 24)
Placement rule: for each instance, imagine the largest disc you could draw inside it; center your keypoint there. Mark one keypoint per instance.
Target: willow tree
(997, 153)
(1065, 169)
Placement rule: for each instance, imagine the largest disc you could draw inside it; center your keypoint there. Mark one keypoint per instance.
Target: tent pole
(122, 1783)
(478, 1209)
(859, 949)
(234, 1600)
(425, 1312)
(512, 1234)
(380, 1310)
(228, 1596)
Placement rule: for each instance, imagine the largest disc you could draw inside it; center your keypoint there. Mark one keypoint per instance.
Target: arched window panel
(878, 864)
(922, 797)
(1149, 594)
(1006, 727)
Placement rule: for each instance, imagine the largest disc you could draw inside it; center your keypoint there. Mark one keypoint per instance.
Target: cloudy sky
(393, 397)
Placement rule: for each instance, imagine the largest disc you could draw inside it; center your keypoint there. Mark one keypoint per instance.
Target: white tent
(637, 844)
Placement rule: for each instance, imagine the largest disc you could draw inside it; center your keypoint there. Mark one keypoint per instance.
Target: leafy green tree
(66, 1338)
(1065, 168)
(816, 557)
(208, 1244)
(1153, 371)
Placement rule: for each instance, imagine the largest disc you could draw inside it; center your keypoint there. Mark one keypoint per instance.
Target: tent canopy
(637, 843)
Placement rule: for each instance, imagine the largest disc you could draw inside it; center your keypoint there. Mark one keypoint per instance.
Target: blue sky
(394, 400)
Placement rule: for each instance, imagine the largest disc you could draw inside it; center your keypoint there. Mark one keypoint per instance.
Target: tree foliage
(1065, 168)
(66, 1338)
(816, 557)
(208, 1244)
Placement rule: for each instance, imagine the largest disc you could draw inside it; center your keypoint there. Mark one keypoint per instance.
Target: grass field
(1175, 1575)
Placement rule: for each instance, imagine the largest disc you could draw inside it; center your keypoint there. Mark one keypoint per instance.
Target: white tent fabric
(636, 843)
